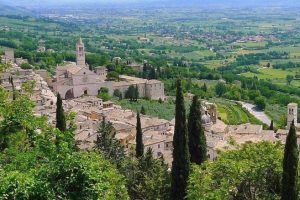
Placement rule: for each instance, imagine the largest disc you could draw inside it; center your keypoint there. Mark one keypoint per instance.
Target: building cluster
(15, 77)
(73, 80)
(79, 87)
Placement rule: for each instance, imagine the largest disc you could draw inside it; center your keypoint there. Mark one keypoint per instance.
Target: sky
(235, 3)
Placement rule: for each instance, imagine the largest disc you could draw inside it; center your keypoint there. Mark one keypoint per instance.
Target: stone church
(74, 80)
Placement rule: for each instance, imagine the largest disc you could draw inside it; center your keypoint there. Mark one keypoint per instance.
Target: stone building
(9, 55)
(74, 80)
(80, 54)
(292, 114)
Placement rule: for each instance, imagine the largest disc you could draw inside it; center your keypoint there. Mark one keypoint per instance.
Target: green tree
(143, 110)
(290, 166)
(271, 125)
(132, 93)
(136, 93)
(251, 172)
(108, 145)
(220, 89)
(204, 87)
(60, 115)
(104, 94)
(148, 178)
(260, 103)
(17, 121)
(197, 138)
(11, 81)
(113, 76)
(28, 87)
(139, 148)
(181, 157)
(118, 93)
(26, 66)
(152, 74)
(289, 79)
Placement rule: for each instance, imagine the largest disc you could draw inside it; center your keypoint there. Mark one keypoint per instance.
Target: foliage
(104, 94)
(181, 157)
(132, 93)
(163, 110)
(4, 66)
(139, 148)
(31, 167)
(252, 172)
(289, 79)
(260, 102)
(271, 125)
(108, 145)
(147, 178)
(37, 174)
(290, 166)
(17, 120)
(143, 110)
(28, 87)
(60, 115)
(118, 93)
(197, 138)
(220, 89)
(25, 66)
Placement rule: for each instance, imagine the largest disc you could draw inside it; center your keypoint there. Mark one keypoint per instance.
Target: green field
(233, 113)
(164, 110)
(269, 73)
(276, 76)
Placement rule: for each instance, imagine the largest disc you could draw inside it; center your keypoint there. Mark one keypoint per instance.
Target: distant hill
(13, 10)
(235, 3)
(35, 4)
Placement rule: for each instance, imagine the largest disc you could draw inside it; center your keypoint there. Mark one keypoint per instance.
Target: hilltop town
(149, 100)
(79, 87)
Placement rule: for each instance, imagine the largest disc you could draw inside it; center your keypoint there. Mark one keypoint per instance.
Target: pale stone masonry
(73, 80)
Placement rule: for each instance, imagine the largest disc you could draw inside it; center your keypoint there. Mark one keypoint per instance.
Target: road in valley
(260, 115)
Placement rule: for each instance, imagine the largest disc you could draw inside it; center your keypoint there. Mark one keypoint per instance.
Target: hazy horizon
(228, 3)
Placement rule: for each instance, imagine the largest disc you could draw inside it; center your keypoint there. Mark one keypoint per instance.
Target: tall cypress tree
(181, 157)
(197, 138)
(139, 149)
(143, 110)
(290, 166)
(11, 80)
(272, 125)
(60, 115)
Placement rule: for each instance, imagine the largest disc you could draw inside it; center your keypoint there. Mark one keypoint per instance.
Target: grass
(165, 110)
(233, 113)
(230, 112)
(270, 73)
(277, 113)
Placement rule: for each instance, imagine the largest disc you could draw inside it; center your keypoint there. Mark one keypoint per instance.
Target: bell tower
(292, 109)
(80, 55)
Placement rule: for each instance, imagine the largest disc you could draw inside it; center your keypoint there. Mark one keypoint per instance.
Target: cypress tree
(136, 93)
(204, 87)
(143, 110)
(181, 157)
(60, 115)
(11, 80)
(290, 166)
(197, 138)
(139, 149)
(272, 125)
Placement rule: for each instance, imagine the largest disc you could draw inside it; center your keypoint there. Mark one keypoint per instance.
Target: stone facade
(75, 79)
(80, 54)
(9, 55)
(292, 114)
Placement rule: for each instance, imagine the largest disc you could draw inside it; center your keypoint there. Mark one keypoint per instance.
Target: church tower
(80, 56)
(292, 114)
